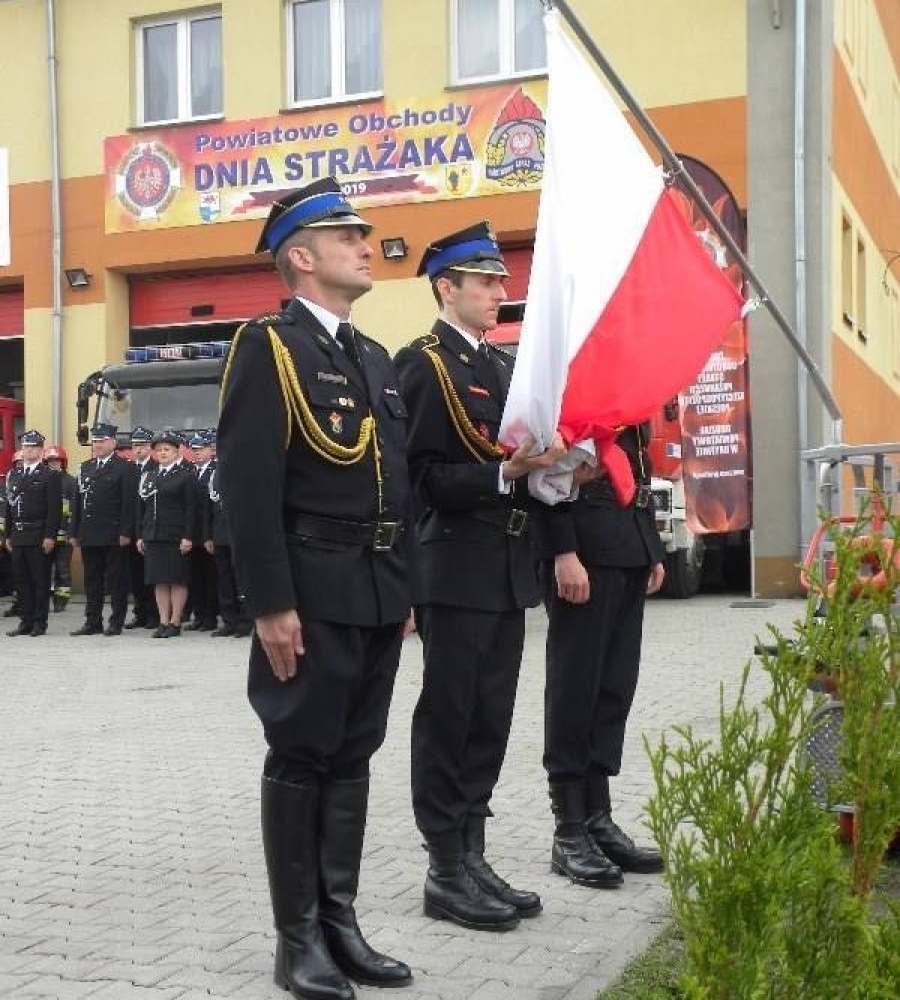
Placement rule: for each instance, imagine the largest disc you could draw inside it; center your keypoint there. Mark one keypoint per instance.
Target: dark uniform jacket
(215, 524)
(274, 468)
(167, 504)
(34, 505)
(204, 513)
(104, 509)
(69, 493)
(596, 527)
(465, 557)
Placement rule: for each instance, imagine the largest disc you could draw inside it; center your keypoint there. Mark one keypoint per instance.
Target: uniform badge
(389, 390)
(484, 431)
(336, 421)
(331, 377)
(479, 391)
(465, 359)
(347, 401)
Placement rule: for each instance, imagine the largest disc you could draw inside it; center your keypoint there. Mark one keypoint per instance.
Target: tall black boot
(342, 824)
(609, 838)
(526, 904)
(303, 963)
(574, 853)
(451, 893)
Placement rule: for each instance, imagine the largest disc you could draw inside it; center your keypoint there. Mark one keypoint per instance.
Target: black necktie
(486, 371)
(347, 340)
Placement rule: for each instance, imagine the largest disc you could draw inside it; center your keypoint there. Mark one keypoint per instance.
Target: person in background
(61, 565)
(599, 561)
(34, 508)
(143, 598)
(6, 559)
(203, 592)
(167, 506)
(217, 542)
(102, 529)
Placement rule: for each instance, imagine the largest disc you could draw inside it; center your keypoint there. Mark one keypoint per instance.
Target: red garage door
(518, 263)
(193, 299)
(12, 312)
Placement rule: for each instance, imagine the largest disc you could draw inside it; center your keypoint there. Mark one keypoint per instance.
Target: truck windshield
(181, 407)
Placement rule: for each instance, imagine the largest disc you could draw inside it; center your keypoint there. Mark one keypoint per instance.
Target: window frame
(182, 24)
(507, 53)
(338, 39)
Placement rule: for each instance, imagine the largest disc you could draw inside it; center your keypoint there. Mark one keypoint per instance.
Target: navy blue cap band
(461, 252)
(317, 206)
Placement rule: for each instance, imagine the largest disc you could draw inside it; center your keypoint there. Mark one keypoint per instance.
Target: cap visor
(481, 267)
(341, 220)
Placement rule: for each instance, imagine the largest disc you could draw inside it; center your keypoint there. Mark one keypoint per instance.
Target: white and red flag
(624, 305)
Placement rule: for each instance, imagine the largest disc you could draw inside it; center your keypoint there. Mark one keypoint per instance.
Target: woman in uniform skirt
(167, 512)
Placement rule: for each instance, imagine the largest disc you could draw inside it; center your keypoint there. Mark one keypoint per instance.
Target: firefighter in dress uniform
(312, 468)
(102, 529)
(145, 614)
(475, 575)
(217, 542)
(203, 599)
(34, 499)
(6, 559)
(61, 566)
(599, 560)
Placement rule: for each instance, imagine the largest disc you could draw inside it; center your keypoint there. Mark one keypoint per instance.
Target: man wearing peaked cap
(34, 498)
(475, 576)
(312, 473)
(102, 530)
(145, 614)
(203, 596)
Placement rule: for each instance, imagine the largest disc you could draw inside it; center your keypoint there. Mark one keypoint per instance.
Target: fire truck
(12, 424)
(172, 385)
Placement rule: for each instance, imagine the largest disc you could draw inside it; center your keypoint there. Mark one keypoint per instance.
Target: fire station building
(142, 143)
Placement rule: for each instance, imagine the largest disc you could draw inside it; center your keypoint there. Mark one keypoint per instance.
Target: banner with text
(464, 144)
(5, 247)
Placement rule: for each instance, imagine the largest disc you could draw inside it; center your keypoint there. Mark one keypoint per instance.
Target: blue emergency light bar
(176, 352)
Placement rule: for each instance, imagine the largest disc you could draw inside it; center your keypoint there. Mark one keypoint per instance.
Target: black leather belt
(513, 522)
(602, 490)
(380, 536)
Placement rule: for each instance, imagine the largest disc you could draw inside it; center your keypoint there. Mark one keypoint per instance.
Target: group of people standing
(152, 526)
(378, 487)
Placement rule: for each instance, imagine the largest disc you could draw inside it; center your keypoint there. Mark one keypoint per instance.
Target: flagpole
(677, 172)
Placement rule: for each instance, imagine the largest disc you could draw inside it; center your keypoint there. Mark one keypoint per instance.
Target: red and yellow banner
(461, 144)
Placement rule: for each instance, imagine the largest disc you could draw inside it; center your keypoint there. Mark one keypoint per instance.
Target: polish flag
(625, 305)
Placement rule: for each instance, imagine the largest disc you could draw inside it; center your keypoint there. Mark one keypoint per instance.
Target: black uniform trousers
(593, 658)
(105, 571)
(31, 570)
(142, 594)
(203, 600)
(231, 606)
(462, 719)
(328, 720)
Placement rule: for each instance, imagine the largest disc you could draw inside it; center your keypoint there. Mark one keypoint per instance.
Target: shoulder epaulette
(269, 318)
(424, 342)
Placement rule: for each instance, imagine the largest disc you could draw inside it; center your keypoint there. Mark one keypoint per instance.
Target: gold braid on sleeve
(475, 443)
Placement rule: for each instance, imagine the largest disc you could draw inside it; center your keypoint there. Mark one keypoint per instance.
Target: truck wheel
(684, 569)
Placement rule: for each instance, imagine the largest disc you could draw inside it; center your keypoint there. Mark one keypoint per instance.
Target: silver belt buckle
(516, 522)
(386, 535)
(642, 497)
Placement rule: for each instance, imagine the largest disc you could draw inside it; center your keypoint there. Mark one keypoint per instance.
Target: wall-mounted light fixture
(394, 248)
(77, 277)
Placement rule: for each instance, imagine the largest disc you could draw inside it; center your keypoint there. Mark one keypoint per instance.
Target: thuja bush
(770, 905)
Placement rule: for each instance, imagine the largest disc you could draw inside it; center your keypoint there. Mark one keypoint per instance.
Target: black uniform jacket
(104, 507)
(215, 524)
(204, 513)
(596, 527)
(273, 467)
(34, 505)
(167, 503)
(462, 560)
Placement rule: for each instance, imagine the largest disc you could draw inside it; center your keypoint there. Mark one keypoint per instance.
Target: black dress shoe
(38, 630)
(576, 857)
(526, 904)
(194, 626)
(222, 630)
(452, 894)
(21, 629)
(88, 630)
(621, 849)
(151, 623)
(113, 630)
(172, 631)
(136, 623)
(161, 632)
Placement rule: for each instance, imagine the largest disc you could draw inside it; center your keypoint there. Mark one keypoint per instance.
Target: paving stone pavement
(130, 860)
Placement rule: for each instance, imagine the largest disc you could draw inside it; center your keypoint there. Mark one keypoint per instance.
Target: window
(862, 311)
(847, 272)
(497, 38)
(335, 49)
(180, 68)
